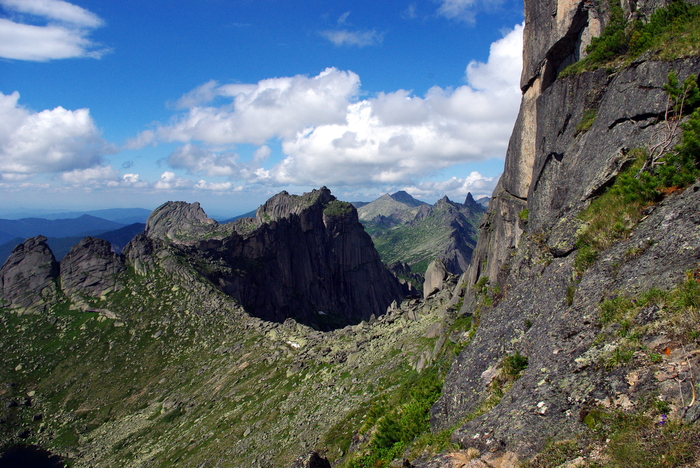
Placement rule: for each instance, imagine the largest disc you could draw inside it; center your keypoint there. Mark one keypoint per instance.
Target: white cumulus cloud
(329, 135)
(90, 175)
(195, 160)
(49, 141)
(64, 35)
(272, 108)
(397, 137)
(455, 188)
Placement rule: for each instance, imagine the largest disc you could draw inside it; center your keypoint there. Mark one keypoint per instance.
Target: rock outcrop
(91, 268)
(311, 460)
(304, 257)
(434, 278)
(178, 221)
(28, 277)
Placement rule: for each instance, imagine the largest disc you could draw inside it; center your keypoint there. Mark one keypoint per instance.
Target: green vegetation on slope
(421, 241)
(650, 434)
(183, 377)
(670, 33)
(649, 176)
(396, 425)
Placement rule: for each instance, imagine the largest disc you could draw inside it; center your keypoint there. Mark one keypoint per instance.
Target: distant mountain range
(412, 233)
(63, 233)
(403, 229)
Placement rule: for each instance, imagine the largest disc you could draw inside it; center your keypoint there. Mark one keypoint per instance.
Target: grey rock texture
(138, 253)
(435, 277)
(304, 257)
(554, 169)
(28, 277)
(178, 221)
(91, 268)
(561, 336)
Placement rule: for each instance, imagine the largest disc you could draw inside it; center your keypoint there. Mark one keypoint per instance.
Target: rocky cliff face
(546, 309)
(304, 257)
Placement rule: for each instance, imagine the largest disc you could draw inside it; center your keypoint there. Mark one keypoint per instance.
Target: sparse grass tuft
(587, 120)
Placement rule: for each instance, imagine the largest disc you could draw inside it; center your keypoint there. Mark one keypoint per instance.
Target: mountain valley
(566, 335)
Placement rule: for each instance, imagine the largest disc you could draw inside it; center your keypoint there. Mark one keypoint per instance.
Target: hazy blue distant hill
(75, 227)
(118, 215)
(61, 245)
(250, 214)
(120, 237)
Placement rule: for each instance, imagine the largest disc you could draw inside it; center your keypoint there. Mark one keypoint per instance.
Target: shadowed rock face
(304, 257)
(28, 277)
(91, 268)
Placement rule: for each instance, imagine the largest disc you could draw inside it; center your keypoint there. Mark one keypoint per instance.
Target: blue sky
(131, 103)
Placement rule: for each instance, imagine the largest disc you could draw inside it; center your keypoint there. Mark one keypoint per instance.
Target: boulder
(28, 277)
(311, 460)
(435, 276)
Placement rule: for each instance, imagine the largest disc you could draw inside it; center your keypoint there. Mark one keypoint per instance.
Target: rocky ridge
(416, 234)
(303, 257)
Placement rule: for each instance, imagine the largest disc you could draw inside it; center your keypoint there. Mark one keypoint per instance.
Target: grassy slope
(184, 378)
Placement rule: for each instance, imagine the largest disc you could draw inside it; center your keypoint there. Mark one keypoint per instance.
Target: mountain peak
(405, 198)
(283, 205)
(472, 204)
(174, 219)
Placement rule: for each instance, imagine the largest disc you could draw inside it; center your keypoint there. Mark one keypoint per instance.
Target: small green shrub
(620, 356)
(513, 366)
(615, 309)
(587, 120)
(555, 454)
(570, 293)
(524, 214)
(481, 286)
